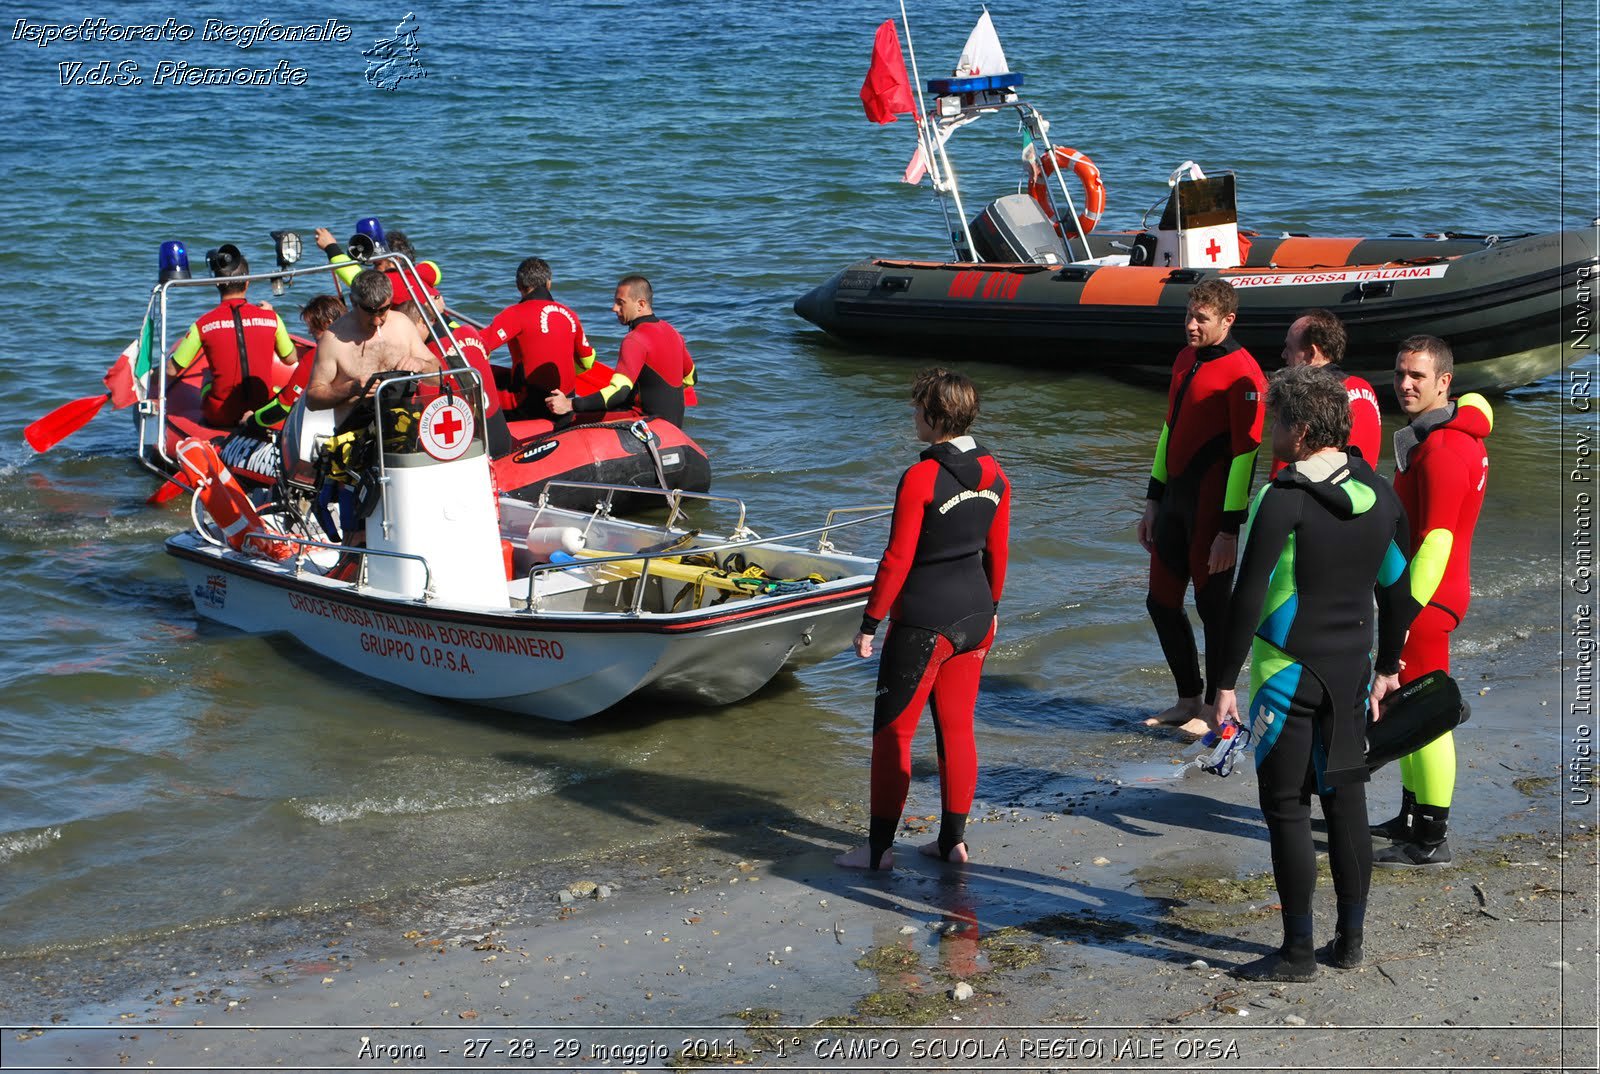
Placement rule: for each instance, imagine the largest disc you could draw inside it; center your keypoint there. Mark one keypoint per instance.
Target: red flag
(886, 90)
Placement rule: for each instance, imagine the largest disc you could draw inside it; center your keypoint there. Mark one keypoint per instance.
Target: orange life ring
(1094, 190)
(225, 501)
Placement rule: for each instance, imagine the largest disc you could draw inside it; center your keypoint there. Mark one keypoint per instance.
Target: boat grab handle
(361, 579)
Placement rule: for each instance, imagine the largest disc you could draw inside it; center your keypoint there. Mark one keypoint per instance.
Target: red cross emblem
(445, 429)
(1213, 249)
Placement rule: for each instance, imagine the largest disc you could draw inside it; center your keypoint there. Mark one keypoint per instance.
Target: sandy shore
(1105, 928)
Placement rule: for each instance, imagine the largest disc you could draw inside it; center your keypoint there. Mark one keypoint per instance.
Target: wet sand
(1105, 926)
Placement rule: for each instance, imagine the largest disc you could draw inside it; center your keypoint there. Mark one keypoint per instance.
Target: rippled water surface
(155, 773)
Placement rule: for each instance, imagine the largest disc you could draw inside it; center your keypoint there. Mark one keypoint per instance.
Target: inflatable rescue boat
(1028, 283)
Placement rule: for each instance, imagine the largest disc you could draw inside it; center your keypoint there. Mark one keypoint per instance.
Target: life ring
(225, 501)
(1094, 190)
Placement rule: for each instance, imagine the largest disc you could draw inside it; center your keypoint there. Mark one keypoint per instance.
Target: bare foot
(1184, 712)
(1195, 727)
(958, 853)
(861, 858)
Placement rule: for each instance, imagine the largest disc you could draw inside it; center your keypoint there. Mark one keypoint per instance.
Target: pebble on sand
(961, 992)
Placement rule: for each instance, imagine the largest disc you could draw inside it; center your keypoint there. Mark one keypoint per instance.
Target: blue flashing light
(173, 261)
(372, 229)
(943, 87)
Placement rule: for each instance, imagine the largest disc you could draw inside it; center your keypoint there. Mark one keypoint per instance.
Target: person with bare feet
(940, 580)
(1198, 493)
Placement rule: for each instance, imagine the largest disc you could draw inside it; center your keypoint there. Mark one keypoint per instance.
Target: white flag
(982, 54)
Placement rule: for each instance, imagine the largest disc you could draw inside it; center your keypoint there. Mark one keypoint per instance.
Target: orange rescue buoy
(225, 501)
(1094, 190)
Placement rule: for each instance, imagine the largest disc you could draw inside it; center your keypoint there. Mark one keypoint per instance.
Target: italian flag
(125, 379)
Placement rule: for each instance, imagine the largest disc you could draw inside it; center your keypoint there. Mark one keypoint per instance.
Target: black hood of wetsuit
(1342, 483)
(1217, 350)
(961, 464)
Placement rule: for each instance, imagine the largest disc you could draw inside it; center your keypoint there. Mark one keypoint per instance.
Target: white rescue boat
(520, 606)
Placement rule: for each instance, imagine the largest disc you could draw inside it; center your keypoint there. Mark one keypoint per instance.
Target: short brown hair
(949, 401)
(321, 312)
(638, 288)
(1324, 331)
(1216, 295)
(1444, 360)
(1314, 397)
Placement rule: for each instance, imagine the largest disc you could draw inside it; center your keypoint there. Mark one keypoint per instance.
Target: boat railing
(154, 404)
(303, 543)
(152, 409)
(674, 499)
(644, 559)
(825, 545)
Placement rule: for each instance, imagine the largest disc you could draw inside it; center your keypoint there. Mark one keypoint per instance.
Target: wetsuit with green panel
(1442, 470)
(1200, 483)
(1324, 537)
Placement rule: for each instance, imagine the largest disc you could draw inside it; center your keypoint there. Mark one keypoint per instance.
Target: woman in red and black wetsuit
(940, 581)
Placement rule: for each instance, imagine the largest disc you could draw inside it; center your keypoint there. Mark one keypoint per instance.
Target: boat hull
(1500, 305)
(554, 666)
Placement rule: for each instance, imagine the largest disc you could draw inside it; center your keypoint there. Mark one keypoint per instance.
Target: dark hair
(1325, 331)
(321, 312)
(638, 287)
(399, 244)
(1444, 360)
(533, 274)
(1312, 397)
(949, 401)
(371, 289)
(1216, 295)
(225, 263)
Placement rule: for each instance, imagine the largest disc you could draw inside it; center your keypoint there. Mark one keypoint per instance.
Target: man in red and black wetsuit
(1441, 471)
(653, 363)
(1317, 337)
(238, 339)
(548, 345)
(940, 579)
(1199, 493)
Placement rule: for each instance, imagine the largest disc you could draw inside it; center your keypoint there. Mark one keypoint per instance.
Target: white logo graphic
(446, 428)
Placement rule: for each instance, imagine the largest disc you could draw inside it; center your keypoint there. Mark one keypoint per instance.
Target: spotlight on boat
(174, 261)
(368, 242)
(288, 246)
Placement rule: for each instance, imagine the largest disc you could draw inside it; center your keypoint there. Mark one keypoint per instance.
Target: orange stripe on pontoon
(1308, 252)
(1119, 285)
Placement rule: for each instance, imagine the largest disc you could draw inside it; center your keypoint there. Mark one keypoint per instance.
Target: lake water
(155, 774)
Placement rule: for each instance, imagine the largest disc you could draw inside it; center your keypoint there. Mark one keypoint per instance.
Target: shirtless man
(363, 342)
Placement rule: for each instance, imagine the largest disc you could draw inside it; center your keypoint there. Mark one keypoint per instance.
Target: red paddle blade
(171, 489)
(63, 421)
